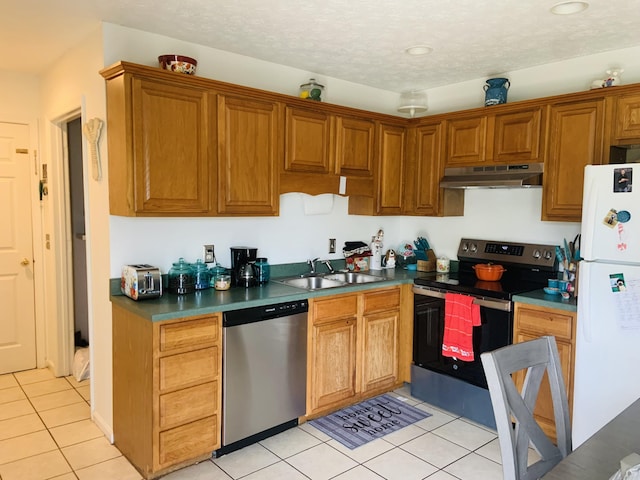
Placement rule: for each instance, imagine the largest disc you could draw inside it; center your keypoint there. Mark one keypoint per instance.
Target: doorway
(77, 232)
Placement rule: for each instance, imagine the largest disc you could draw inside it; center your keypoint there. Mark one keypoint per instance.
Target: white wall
(72, 84)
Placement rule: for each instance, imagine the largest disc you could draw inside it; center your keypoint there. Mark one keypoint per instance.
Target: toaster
(141, 281)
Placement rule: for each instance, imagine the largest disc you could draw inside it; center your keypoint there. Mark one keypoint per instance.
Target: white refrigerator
(607, 371)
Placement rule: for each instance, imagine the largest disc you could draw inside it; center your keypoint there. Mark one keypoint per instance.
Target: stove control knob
(465, 247)
(473, 248)
(548, 255)
(536, 253)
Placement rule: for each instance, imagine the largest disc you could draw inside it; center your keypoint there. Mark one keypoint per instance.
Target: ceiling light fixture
(413, 102)
(419, 50)
(569, 8)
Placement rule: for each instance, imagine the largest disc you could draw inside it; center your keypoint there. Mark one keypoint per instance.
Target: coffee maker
(242, 266)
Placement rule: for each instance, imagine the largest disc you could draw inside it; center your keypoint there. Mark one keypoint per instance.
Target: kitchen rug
(374, 418)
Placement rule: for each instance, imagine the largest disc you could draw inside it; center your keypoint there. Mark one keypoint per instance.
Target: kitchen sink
(312, 283)
(353, 277)
(328, 280)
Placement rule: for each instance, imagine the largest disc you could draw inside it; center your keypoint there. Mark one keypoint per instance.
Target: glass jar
(202, 275)
(214, 271)
(181, 278)
(311, 90)
(263, 270)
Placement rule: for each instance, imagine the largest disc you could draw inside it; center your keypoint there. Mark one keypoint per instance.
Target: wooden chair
(517, 429)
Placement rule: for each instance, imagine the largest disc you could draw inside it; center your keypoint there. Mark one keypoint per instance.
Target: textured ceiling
(362, 41)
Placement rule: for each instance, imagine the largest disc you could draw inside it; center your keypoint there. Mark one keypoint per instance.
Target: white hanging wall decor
(91, 130)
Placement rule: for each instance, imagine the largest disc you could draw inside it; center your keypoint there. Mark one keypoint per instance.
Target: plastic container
(222, 281)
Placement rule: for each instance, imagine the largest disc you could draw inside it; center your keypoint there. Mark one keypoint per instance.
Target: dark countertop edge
(170, 306)
(541, 299)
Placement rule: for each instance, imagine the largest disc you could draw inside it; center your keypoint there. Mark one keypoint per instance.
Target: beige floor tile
(88, 453)
(33, 376)
(85, 391)
(397, 464)
(359, 473)
(67, 414)
(117, 468)
(45, 387)
(290, 442)
(465, 434)
(437, 418)
(441, 475)
(248, 460)
(404, 435)
(24, 446)
(435, 450)
(11, 395)
(201, 471)
(75, 432)
(321, 462)
(76, 384)
(277, 470)
(38, 467)
(16, 409)
(66, 476)
(14, 427)
(55, 400)
(365, 452)
(307, 427)
(475, 467)
(8, 380)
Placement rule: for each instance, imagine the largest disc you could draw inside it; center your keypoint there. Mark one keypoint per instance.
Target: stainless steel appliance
(264, 364)
(141, 281)
(453, 384)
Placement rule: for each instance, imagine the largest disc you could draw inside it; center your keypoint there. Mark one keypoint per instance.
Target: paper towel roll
(317, 204)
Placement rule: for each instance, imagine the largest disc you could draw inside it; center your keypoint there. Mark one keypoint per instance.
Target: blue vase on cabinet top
(496, 91)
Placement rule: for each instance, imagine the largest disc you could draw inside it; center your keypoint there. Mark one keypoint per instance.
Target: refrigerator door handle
(589, 203)
(584, 300)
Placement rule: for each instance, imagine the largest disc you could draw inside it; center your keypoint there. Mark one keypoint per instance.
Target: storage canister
(181, 278)
(263, 270)
(202, 275)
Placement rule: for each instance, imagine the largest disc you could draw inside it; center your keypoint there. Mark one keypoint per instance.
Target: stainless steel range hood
(494, 176)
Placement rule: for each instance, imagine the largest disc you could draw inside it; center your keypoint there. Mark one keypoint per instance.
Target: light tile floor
(46, 433)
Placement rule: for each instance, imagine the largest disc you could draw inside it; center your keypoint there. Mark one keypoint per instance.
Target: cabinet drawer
(188, 441)
(187, 369)
(189, 404)
(545, 322)
(335, 307)
(381, 300)
(192, 333)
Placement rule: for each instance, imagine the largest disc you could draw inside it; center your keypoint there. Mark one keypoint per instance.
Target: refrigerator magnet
(623, 216)
(622, 179)
(611, 219)
(617, 282)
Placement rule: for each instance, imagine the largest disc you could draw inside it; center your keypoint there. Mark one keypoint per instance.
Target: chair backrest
(513, 410)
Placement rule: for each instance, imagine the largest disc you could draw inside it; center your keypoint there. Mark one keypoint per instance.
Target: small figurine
(390, 259)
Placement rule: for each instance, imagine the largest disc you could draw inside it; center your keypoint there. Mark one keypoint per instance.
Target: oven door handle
(493, 303)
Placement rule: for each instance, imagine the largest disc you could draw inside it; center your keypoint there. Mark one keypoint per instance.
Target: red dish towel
(460, 316)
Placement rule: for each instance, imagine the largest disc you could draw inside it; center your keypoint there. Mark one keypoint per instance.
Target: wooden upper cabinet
(249, 147)
(424, 169)
(576, 131)
(466, 140)
(627, 118)
(355, 140)
(158, 148)
(517, 136)
(308, 139)
(390, 168)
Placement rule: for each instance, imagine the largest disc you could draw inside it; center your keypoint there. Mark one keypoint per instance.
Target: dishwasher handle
(492, 303)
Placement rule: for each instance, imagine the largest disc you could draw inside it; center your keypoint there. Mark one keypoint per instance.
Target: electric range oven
(453, 384)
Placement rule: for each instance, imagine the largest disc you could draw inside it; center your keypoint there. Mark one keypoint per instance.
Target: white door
(17, 307)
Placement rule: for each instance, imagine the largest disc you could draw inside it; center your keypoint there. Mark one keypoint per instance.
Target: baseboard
(102, 425)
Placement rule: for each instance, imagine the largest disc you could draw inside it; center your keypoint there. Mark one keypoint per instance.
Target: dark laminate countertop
(599, 457)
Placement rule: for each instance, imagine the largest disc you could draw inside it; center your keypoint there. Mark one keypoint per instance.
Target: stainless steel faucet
(329, 266)
(312, 265)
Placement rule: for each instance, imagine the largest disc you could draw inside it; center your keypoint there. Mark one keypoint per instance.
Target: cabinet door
(390, 171)
(308, 141)
(516, 137)
(354, 146)
(424, 169)
(466, 141)
(333, 361)
(543, 411)
(576, 133)
(627, 120)
(170, 150)
(248, 153)
(379, 350)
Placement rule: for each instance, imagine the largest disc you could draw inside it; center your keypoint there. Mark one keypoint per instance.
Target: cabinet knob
(25, 261)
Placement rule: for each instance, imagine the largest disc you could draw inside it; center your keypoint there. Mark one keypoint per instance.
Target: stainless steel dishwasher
(264, 365)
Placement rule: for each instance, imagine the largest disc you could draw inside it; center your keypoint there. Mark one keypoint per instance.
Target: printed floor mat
(374, 418)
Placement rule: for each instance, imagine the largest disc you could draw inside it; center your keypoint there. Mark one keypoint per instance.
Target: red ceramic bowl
(178, 63)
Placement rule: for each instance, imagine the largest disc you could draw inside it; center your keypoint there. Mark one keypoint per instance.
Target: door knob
(25, 261)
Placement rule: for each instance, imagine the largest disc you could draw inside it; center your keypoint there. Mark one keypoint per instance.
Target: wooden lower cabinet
(532, 321)
(166, 390)
(352, 348)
